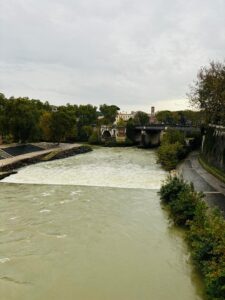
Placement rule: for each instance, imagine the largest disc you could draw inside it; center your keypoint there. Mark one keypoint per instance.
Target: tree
(62, 126)
(45, 125)
(22, 119)
(87, 115)
(165, 116)
(208, 92)
(109, 113)
(141, 118)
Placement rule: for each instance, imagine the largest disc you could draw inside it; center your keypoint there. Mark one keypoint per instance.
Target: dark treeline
(29, 120)
(182, 117)
(24, 119)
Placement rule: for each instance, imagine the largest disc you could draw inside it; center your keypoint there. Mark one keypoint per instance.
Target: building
(127, 116)
(124, 116)
(152, 117)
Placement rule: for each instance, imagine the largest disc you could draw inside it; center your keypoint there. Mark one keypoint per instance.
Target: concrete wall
(213, 146)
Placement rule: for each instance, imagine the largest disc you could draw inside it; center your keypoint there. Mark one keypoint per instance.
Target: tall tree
(141, 118)
(62, 126)
(208, 92)
(109, 113)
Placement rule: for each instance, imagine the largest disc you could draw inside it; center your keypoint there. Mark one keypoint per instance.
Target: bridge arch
(106, 134)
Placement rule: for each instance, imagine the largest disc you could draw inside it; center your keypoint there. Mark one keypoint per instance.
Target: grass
(50, 155)
(212, 170)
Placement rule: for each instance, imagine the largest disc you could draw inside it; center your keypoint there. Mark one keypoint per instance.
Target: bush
(171, 189)
(173, 149)
(181, 199)
(205, 232)
(169, 155)
(172, 136)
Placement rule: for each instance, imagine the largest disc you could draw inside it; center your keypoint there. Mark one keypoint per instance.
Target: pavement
(213, 188)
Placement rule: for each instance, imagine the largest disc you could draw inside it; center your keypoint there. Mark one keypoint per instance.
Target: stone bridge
(151, 135)
(113, 132)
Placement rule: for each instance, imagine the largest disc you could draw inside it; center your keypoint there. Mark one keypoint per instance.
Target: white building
(126, 116)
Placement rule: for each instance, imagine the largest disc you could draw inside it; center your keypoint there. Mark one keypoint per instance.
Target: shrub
(205, 232)
(173, 148)
(172, 136)
(169, 155)
(171, 189)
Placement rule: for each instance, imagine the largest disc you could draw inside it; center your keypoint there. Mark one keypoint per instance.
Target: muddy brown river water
(90, 227)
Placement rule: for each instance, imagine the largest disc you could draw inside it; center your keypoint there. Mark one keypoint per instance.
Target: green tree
(45, 124)
(172, 136)
(22, 119)
(208, 92)
(165, 116)
(141, 118)
(62, 126)
(109, 113)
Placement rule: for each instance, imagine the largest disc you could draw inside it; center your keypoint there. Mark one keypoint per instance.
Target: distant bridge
(151, 135)
(165, 127)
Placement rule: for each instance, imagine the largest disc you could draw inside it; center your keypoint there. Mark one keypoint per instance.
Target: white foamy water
(109, 167)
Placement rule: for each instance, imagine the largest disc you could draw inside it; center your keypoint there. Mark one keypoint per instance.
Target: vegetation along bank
(205, 232)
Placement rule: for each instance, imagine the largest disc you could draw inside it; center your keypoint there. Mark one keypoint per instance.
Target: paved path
(203, 181)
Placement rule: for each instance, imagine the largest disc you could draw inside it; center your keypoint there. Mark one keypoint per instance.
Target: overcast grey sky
(133, 53)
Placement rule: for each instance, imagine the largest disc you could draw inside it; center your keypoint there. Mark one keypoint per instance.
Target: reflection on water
(91, 242)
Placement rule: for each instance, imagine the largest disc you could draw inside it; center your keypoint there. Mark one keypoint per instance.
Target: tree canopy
(141, 118)
(109, 113)
(208, 92)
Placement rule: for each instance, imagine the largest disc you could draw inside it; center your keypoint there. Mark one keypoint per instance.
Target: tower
(152, 110)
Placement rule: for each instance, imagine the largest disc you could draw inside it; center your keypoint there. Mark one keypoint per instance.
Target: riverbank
(9, 165)
(204, 231)
(214, 189)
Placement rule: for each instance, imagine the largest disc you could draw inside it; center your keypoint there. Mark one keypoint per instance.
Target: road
(213, 188)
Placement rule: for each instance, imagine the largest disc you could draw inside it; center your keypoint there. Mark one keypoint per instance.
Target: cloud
(130, 53)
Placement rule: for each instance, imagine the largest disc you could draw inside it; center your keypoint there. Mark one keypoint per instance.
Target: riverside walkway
(213, 188)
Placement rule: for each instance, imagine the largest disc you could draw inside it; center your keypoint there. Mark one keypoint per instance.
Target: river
(90, 227)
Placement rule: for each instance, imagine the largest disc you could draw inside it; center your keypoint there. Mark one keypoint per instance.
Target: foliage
(85, 132)
(45, 124)
(130, 130)
(24, 119)
(61, 126)
(169, 155)
(205, 232)
(141, 118)
(121, 123)
(172, 149)
(182, 117)
(173, 136)
(208, 92)
(94, 138)
(109, 113)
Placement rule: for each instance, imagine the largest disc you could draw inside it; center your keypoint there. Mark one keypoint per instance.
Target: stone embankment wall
(213, 146)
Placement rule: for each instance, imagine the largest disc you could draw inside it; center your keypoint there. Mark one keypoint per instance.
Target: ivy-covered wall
(213, 148)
